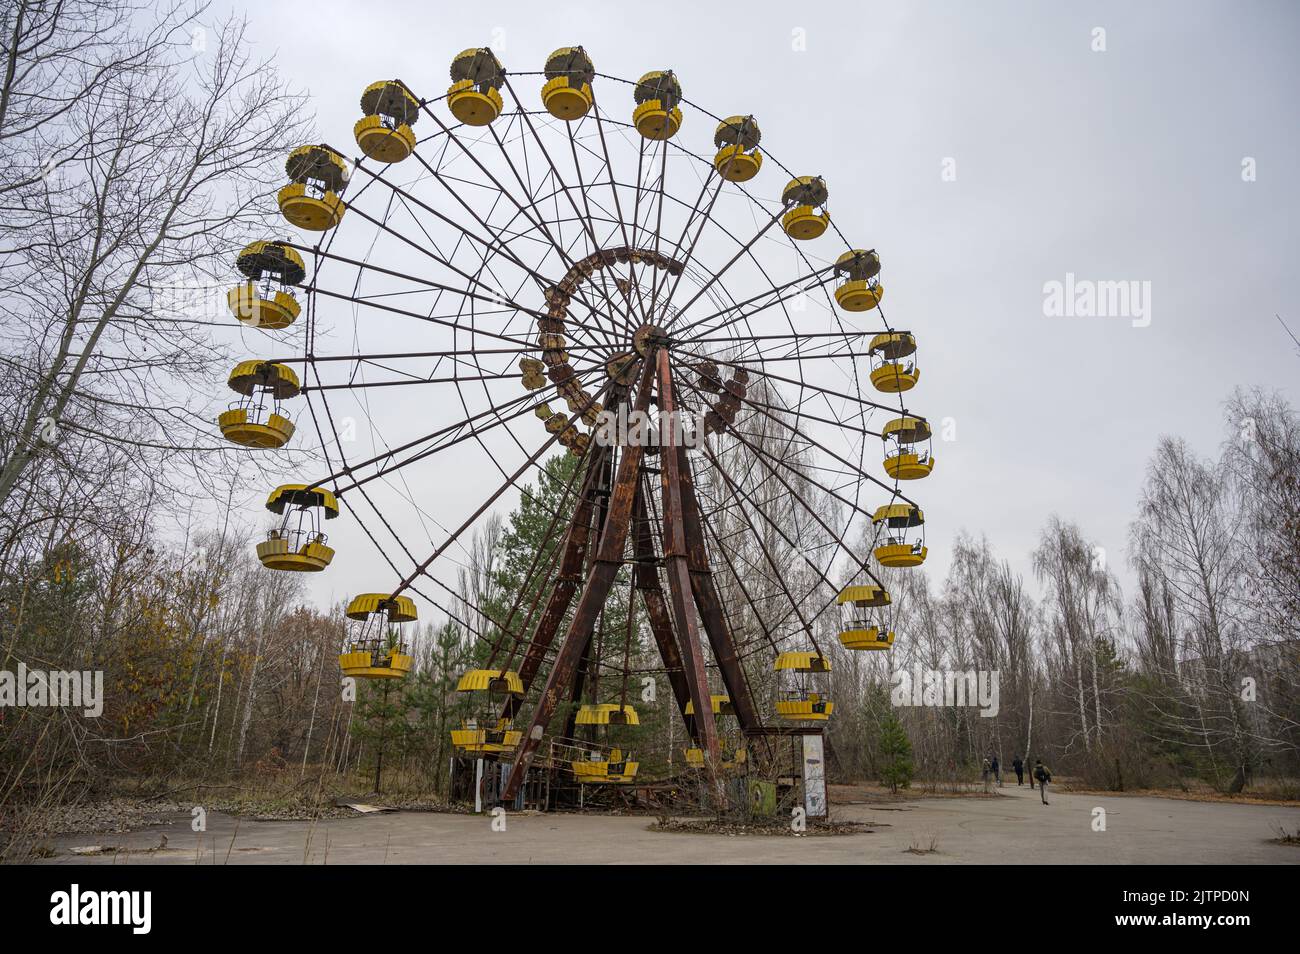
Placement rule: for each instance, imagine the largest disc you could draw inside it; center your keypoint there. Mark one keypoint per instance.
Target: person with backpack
(1044, 776)
(997, 771)
(1018, 766)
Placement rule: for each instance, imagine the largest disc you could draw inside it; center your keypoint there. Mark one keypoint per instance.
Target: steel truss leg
(706, 598)
(656, 608)
(572, 563)
(679, 574)
(609, 557)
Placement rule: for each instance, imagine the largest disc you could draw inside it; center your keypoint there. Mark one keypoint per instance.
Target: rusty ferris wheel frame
(544, 237)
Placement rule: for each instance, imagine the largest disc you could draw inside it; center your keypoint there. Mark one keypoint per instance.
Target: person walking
(1044, 776)
(985, 770)
(1018, 766)
(997, 771)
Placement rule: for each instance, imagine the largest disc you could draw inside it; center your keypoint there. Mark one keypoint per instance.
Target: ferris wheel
(563, 261)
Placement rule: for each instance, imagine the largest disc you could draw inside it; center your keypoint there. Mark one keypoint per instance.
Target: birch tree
(1187, 541)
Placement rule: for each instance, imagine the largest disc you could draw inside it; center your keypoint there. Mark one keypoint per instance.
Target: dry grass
(774, 827)
(930, 847)
(1284, 793)
(262, 795)
(294, 795)
(1285, 837)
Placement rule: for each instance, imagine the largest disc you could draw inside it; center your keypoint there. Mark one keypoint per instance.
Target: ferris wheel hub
(649, 335)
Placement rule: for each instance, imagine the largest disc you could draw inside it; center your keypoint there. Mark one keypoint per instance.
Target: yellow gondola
(494, 737)
(567, 91)
(721, 706)
(270, 305)
(317, 177)
(738, 158)
(888, 372)
(797, 700)
(601, 762)
(495, 681)
(474, 97)
(864, 595)
(860, 290)
(610, 767)
(731, 745)
(901, 549)
(384, 133)
(250, 422)
(658, 114)
(907, 448)
(604, 768)
(858, 628)
(809, 708)
(868, 637)
(298, 543)
(730, 758)
(801, 662)
(376, 649)
(606, 714)
(806, 216)
(488, 729)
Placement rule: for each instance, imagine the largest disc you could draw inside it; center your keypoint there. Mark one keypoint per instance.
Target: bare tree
(1186, 543)
(137, 160)
(1082, 603)
(1262, 461)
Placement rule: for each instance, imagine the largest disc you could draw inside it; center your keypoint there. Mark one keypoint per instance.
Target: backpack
(1042, 774)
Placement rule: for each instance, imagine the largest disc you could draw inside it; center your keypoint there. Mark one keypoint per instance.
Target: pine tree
(381, 722)
(896, 750)
(433, 697)
(532, 528)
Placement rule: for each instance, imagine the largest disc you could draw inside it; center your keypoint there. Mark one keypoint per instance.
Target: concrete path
(1012, 829)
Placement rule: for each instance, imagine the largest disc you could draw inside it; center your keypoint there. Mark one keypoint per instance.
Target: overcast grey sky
(1117, 165)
